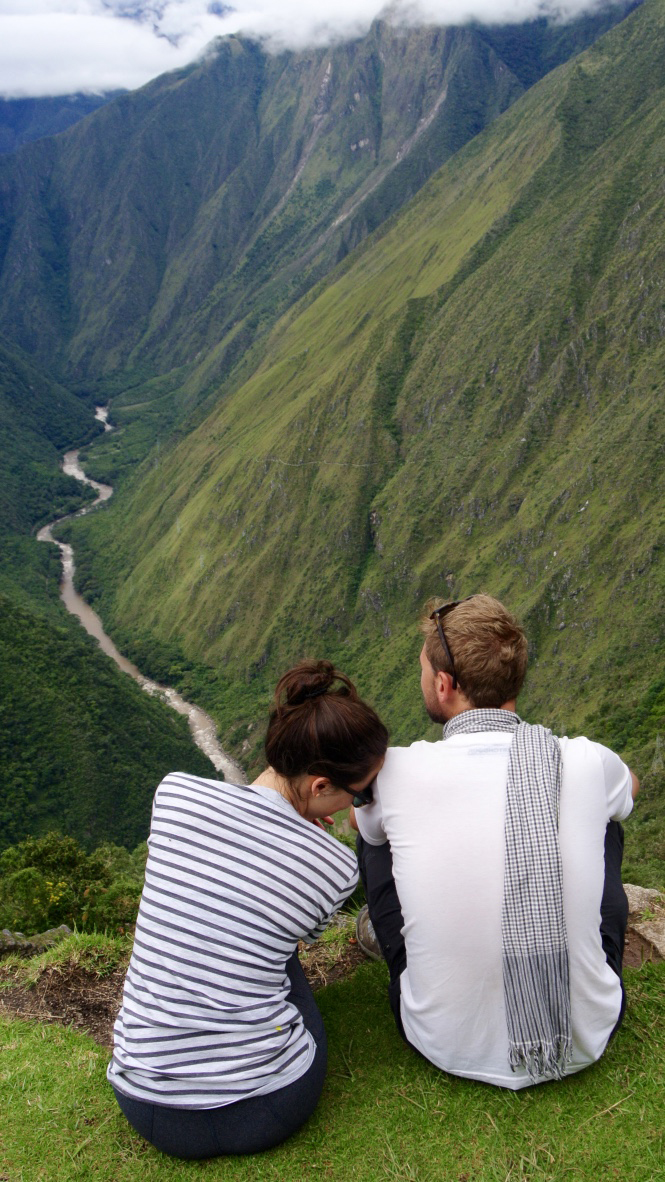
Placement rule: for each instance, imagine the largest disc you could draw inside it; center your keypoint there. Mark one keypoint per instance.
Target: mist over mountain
(57, 47)
(172, 227)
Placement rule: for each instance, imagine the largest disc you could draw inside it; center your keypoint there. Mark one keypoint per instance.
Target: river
(203, 728)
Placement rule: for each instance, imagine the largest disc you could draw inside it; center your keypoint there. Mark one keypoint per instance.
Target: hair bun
(318, 726)
(310, 680)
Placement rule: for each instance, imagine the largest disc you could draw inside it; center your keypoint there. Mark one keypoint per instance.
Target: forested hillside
(81, 747)
(28, 119)
(38, 419)
(472, 400)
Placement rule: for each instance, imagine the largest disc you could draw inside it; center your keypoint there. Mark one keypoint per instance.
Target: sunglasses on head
(437, 615)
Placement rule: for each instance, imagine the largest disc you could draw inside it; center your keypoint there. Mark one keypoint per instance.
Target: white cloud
(296, 24)
(50, 47)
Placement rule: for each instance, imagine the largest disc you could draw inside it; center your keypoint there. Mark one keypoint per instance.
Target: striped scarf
(533, 930)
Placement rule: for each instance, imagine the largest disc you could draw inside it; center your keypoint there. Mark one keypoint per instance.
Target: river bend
(202, 726)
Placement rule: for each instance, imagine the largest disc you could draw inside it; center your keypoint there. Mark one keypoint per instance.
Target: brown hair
(319, 726)
(487, 644)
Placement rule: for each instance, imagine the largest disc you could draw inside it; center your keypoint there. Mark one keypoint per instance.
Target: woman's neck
(271, 779)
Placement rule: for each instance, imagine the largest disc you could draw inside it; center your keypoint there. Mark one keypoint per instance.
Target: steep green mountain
(167, 231)
(28, 119)
(81, 747)
(473, 399)
(534, 48)
(285, 502)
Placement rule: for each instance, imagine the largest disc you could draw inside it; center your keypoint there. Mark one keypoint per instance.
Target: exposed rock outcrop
(646, 916)
(22, 945)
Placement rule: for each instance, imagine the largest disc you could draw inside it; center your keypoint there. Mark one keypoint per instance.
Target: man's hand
(352, 819)
(636, 784)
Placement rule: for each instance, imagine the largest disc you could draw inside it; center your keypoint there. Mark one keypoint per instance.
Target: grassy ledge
(385, 1114)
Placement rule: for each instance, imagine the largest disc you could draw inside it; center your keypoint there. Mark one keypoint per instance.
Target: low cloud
(52, 47)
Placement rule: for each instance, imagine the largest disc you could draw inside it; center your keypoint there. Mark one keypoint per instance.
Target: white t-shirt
(442, 808)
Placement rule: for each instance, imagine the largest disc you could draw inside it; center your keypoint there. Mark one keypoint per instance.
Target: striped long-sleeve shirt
(235, 877)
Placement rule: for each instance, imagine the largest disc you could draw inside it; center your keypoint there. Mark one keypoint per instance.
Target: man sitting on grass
(492, 868)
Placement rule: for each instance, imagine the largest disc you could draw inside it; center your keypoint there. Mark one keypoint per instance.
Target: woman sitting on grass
(219, 1045)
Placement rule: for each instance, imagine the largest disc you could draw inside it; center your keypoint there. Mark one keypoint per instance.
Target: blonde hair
(487, 645)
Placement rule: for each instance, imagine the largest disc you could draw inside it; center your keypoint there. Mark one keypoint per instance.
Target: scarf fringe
(544, 1061)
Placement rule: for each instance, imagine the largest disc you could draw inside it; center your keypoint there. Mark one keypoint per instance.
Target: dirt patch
(323, 966)
(637, 950)
(71, 996)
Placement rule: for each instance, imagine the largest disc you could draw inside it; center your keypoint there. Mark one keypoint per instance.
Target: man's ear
(453, 699)
(443, 684)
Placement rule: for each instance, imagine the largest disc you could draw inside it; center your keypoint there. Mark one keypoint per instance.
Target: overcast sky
(50, 47)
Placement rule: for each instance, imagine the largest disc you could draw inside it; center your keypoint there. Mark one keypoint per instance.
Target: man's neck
(459, 704)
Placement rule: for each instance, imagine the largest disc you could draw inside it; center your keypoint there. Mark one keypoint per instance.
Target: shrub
(46, 881)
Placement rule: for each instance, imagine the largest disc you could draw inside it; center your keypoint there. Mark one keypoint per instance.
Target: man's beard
(435, 713)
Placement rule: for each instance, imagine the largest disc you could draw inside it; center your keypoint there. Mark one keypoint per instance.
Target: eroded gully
(204, 731)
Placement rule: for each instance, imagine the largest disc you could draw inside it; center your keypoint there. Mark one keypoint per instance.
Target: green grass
(385, 1114)
(97, 953)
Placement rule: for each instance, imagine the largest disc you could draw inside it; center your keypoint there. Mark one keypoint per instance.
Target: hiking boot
(366, 936)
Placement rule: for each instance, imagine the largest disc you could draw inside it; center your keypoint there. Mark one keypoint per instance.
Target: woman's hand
(322, 822)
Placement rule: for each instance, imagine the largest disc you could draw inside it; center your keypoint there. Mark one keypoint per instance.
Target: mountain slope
(82, 748)
(38, 420)
(177, 221)
(472, 400)
(415, 421)
(25, 120)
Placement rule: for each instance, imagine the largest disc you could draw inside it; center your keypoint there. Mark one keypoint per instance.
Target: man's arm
(368, 822)
(621, 785)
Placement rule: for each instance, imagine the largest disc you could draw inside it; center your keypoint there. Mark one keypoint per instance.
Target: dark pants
(248, 1126)
(385, 912)
(614, 909)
